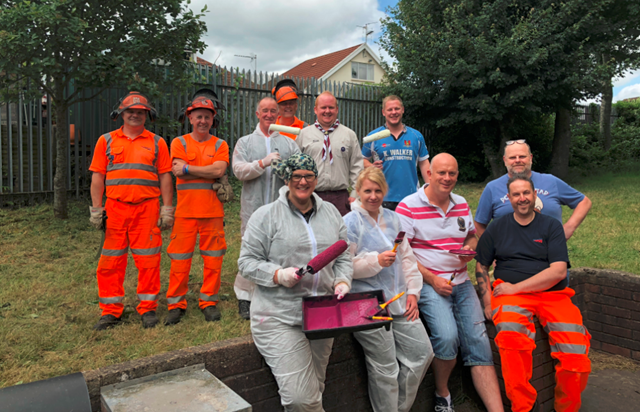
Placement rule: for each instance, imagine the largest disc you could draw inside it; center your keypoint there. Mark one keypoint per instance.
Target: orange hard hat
(204, 99)
(134, 100)
(201, 102)
(285, 89)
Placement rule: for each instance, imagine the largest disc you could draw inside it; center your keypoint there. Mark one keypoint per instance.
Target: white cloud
(627, 92)
(284, 33)
(627, 78)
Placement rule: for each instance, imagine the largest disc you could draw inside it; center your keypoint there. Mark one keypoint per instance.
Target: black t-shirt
(523, 251)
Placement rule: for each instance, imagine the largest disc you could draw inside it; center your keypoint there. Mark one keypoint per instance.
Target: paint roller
(323, 259)
(376, 136)
(286, 129)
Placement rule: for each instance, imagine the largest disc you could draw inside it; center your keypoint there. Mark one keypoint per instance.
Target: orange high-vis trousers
(180, 250)
(568, 338)
(130, 226)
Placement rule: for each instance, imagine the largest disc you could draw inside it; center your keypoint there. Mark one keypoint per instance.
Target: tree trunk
(605, 114)
(494, 156)
(561, 143)
(60, 177)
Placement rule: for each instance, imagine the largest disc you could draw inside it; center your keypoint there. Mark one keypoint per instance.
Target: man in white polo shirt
(436, 222)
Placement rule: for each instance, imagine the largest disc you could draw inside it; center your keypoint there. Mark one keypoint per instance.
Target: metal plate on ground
(192, 389)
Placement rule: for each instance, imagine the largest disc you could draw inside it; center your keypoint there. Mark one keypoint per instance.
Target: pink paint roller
(323, 259)
(286, 129)
(377, 136)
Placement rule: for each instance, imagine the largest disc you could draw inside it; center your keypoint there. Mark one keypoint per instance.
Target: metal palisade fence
(27, 147)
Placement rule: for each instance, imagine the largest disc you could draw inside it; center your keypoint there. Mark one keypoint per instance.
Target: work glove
(96, 217)
(224, 189)
(270, 158)
(341, 290)
(288, 277)
(166, 217)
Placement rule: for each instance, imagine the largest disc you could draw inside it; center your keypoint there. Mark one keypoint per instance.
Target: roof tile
(318, 66)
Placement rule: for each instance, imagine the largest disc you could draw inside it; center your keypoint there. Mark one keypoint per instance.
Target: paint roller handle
(286, 129)
(377, 136)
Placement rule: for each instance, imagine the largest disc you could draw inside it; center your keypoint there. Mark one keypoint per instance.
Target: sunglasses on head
(519, 141)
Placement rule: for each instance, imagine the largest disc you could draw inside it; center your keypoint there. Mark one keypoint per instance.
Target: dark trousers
(390, 205)
(338, 198)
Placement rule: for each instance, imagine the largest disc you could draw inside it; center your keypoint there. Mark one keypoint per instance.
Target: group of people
(295, 203)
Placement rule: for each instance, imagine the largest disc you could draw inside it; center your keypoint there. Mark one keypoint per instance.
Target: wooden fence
(27, 149)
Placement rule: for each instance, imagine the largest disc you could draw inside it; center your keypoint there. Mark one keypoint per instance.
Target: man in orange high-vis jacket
(531, 257)
(133, 165)
(286, 95)
(199, 158)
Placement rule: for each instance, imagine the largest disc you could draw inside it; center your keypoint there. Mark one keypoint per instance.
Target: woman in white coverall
(397, 359)
(280, 238)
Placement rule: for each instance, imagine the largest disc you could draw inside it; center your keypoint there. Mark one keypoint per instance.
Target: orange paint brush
(378, 308)
(398, 240)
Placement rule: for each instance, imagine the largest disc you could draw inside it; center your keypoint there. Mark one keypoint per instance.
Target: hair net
(299, 161)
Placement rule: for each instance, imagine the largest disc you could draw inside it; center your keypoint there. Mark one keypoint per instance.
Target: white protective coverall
(277, 237)
(259, 186)
(397, 359)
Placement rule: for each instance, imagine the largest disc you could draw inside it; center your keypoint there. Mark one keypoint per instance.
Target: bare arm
(212, 171)
(484, 286)
(578, 215)
(480, 228)
(424, 166)
(367, 163)
(556, 272)
(166, 189)
(97, 189)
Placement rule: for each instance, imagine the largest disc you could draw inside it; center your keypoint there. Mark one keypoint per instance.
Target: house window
(362, 71)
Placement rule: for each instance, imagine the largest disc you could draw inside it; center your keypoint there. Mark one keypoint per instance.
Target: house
(357, 64)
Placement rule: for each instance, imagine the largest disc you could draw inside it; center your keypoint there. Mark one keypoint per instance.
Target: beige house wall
(344, 73)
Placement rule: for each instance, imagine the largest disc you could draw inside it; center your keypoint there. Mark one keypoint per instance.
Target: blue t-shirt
(552, 191)
(399, 161)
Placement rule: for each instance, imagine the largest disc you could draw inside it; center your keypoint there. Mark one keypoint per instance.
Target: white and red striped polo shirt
(432, 233)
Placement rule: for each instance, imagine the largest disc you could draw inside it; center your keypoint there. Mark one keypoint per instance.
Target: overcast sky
(284, 33)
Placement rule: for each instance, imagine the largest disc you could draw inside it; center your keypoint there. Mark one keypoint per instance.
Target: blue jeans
(456, 320)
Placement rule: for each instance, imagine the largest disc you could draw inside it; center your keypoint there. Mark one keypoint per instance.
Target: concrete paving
(612, 390)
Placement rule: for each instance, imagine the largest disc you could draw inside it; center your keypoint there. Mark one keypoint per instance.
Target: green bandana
(299, 161)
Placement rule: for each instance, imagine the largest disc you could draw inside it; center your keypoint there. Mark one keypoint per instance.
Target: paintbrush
(398, 240)
(379, 317)
(378, 308)
(453, 276)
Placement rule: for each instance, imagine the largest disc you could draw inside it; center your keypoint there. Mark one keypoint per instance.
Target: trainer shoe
(174, 316)
(149, 319)
(106, 322)
(244, 309)
(441, 404)
(211, 313)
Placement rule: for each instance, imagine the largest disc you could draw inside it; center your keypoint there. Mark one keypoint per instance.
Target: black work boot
(174, 316)
(106, 322)
(211, 313)
(149, 319)
(244, 307)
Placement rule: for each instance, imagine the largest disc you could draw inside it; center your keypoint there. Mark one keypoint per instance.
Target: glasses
(519, 141)
(308, 178)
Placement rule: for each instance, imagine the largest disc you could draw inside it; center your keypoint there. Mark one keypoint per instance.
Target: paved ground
(612, 390)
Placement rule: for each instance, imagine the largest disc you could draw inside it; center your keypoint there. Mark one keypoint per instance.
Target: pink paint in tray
(326, 316)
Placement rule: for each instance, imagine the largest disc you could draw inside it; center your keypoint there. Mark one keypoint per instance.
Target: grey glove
(96, 217)
(166, 217)
(224, 189)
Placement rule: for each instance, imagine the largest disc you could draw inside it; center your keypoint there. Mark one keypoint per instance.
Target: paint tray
(327, 317)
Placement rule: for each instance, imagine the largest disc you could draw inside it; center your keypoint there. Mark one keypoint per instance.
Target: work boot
(106, 322)
(244, 309)
(174, 316)
(211, 313)
(149, 319)
(441, 404)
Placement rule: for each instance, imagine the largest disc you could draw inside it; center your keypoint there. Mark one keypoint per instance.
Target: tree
(65, 47)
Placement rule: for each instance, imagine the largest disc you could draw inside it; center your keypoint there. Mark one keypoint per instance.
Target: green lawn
(48, 299)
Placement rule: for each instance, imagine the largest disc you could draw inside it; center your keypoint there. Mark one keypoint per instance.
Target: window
(362, 71)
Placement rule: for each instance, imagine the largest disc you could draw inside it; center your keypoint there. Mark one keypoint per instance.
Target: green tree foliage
(66, 47)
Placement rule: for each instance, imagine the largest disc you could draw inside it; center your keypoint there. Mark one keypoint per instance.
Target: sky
(284, 33)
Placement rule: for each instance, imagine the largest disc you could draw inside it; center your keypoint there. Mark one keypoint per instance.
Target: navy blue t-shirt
(523, 251)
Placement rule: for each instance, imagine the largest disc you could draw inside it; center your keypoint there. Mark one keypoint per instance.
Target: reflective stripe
(184, 142)
(569, 348)
(132, 166)
(515, 327)
(518, 310)
(176, 299)
(213, 253)
(180, 256)
(114, 252)
(107, 301)
(147, 297)
(218, 144)
(156, 139)
(147, 252)
(207, 298)
(138, 182)
(563, 327)
(107, 138)
(192, 186)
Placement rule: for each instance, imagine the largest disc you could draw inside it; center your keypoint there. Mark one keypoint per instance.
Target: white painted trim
(363, 46)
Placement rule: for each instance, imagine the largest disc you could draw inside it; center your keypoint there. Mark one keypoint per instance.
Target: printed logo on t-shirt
(461, 224)
(537, 240)
(148, 148)
(407, 143)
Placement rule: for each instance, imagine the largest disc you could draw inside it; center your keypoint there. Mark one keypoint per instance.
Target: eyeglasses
(308, 178)
(519, 141)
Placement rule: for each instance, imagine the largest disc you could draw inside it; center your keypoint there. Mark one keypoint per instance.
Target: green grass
(48, 299)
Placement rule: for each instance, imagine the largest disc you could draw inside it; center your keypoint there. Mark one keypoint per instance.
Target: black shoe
(106, 322)
(211, 313)
(441, 404)
(174, 316)
(149, 319)
(244, 309)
